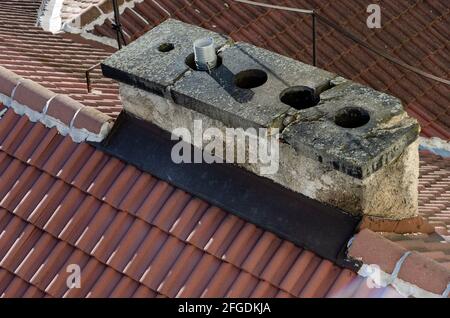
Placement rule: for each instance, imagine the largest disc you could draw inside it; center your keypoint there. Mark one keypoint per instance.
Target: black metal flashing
(310, 224)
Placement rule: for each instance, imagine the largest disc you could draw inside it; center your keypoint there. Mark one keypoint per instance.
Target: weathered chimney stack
(341, 143)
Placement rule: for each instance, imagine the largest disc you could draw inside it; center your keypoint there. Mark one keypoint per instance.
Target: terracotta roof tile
(434, 191)
(124, 288)
(206, 227)
(261, 253)
(297, 277)
(64, 108)
(33, 95)
(243, 286)
(200, 277)
(320, 284)
(263, 290)
(343, 284)
(190, 215)
(187, 261)
(414, 32)
(224, 234)
(13, 286)
(247, 238)
(432, 246)
(280, 262)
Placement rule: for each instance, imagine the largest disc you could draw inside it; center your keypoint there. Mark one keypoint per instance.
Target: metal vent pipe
(205, 54)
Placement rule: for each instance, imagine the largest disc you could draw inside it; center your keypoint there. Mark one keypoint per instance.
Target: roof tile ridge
(25, 97)
(387, 263)
(96, 15)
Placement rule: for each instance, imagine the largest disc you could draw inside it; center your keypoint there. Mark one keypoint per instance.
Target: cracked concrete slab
(372, 137)
(220, 97)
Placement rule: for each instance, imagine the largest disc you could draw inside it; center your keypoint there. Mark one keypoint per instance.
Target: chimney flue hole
(166, 47)
(299, 97)
(351, 117)
(249, 79)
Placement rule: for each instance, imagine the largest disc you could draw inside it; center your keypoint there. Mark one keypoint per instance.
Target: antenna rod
(314, 32)
(273, 6)
(117, 26)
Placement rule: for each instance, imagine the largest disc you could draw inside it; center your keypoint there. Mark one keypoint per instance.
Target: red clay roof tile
(434, 191)
(32, 95)
(224, 234)
(13, 286)
(9, 81)
(63, 108)
(432, 246)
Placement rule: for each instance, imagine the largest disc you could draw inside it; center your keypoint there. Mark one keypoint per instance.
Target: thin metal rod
(273, 6)
(117, 26)
(314, 37)
(88, 81)
(88, 77)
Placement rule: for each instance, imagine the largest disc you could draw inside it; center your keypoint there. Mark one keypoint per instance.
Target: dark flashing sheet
(307, 223)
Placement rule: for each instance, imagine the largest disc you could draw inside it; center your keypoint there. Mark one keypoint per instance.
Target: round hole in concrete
(351, 117)
(299, 97)
(249, 79)
(190, 61)
(166, 47)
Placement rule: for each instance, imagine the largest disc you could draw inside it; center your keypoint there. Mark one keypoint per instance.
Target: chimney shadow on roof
(225, 78)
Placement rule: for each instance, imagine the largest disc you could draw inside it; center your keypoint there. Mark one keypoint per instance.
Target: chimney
(341, 143)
